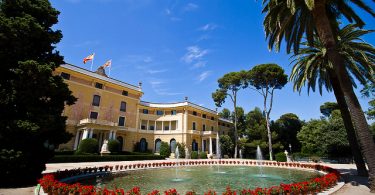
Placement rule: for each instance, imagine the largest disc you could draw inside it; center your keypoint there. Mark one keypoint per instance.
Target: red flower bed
(51, 185)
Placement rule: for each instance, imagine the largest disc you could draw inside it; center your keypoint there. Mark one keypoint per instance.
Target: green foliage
(88, 146)
(325, 137)
(114, 145)
(371, 110)
(181, 149)
(267, 77)
(225, 113)
(164, 149)
(98, 158)
(287, 127)
(202, 155)
(280, 157)
(327, 108)
(311, 64)
(194, 155)
(31, 98)
(226, 145)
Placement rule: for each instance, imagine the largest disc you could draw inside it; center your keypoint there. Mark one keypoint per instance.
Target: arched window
(143, 145)
(172, 144)
(121, 140)
(194, 145)
(157, 145)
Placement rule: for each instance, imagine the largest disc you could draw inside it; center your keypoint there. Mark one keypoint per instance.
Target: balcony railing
(96, 121)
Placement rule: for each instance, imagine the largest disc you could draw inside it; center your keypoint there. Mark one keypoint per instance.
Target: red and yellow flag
(88, 58)
(107, 64)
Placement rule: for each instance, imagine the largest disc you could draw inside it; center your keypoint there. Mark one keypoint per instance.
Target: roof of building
(101, 77)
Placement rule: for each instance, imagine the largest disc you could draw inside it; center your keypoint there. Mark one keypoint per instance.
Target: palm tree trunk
(352, 137)
(327, 37)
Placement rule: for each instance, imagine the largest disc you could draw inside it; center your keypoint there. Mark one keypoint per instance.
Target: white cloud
(208, 27)
(203, 76)
(156, 71)
(199, 64)
(191, 7)
(159, 89)
(194, 53)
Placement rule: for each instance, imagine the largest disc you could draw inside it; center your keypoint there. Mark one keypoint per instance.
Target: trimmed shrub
(164, 149)
(89, 146)
(202, 155)
(98, 158)
(194, 155)
(114, 146)
(280, 157)
(181, 149)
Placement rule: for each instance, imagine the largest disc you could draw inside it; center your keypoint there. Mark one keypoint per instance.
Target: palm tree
(291, 20)
(312, 66)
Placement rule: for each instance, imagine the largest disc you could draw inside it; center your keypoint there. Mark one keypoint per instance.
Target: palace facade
(111, 109)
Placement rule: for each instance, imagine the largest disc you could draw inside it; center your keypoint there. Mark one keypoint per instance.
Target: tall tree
(313, 66)
(31, 98)
(265, 78)
(225, 113)
(327, 108)
(291, 20)
(287, 127)
(229, 85)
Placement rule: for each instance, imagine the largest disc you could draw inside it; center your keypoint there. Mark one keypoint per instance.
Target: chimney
(186, 99)
(140, 85)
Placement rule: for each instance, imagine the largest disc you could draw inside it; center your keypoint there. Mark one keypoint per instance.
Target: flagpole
(109, 72)
(92, 61)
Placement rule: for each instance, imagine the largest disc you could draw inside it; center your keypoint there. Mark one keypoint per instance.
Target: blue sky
(180, 48)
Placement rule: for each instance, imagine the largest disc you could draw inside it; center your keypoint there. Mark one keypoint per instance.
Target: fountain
(260, 162)
(177, 155)
(218, 151)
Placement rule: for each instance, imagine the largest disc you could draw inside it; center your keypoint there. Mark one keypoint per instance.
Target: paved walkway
(354, 185)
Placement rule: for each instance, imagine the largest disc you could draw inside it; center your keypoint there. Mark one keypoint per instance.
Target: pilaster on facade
(210, 146)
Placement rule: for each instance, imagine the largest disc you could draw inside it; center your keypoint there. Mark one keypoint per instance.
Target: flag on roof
(88, 58)
(107, 64)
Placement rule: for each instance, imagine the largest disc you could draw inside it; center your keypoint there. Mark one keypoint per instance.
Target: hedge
(97, 158)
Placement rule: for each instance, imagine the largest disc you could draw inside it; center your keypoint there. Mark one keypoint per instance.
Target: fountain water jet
(260, 161)
(218, 151)
(177, 154)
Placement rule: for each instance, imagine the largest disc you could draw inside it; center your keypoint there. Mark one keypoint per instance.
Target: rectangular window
(96, 100)
(125, 93)
(94, 115)
(166, 127)
(173, 112)
(65, 75)
(194, 113)
(212, 128)
(145, 111)
(212, 118)
(194, 127)
(123, 107)
(159, 112)
(99, 85)
(204, 127)
(121, 121)
(152, 127)
(143, 127)
(204, 116)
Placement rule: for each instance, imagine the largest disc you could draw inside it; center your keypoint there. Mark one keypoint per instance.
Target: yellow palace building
(111, 109)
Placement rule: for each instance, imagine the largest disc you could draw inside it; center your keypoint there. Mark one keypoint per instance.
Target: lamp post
(290, 148)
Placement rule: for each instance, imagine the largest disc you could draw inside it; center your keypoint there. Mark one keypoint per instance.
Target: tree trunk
(235, 126)
(351, 135)
(268, 125)
(327, 37)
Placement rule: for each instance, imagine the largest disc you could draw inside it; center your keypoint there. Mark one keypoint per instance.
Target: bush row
(97, 158)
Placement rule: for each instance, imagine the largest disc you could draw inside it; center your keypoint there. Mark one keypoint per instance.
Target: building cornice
(97, 76)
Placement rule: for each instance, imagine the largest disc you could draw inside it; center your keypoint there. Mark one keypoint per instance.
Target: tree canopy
(31, 98)
(328, 107)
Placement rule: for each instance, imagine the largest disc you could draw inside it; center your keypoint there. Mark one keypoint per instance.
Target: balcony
(209, 132)
(97, 122)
